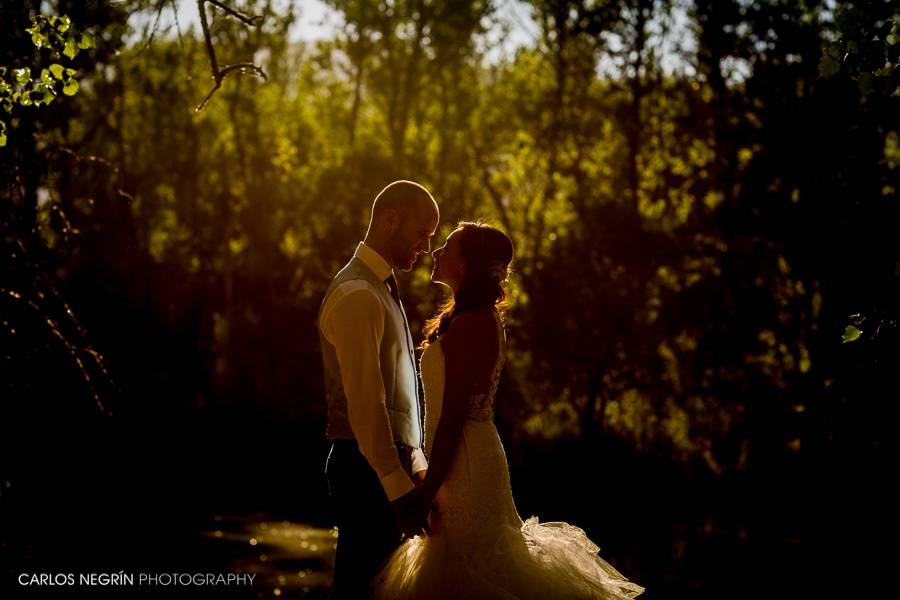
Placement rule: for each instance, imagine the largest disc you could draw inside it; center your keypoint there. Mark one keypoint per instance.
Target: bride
(478, 547)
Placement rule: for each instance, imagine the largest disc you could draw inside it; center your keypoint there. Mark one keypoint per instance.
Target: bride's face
(449, 267)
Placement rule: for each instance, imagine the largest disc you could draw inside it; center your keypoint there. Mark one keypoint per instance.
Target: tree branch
(54, 328)
(162, 4)
(219, 74)
(236, 14)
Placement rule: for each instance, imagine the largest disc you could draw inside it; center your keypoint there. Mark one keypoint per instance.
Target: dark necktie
(395, 289)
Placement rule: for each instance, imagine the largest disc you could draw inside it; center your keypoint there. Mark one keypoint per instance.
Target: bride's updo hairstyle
(487, 253)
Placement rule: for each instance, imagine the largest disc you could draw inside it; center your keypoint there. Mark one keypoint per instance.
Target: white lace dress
(480, 548)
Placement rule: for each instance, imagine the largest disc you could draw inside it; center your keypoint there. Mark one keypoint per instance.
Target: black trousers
(367, 532)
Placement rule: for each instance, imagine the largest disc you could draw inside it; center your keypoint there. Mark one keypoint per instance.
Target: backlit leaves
(851, 334)
(71, 87)
(54, 34)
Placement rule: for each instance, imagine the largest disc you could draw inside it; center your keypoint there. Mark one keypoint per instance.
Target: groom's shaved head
(405, 197)
(404, 217)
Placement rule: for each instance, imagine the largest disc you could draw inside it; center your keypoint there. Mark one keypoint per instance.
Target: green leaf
(71, 49)
(86, 41)
(22, 75)
(71, 87)
(57, 70)
(63, 23)
(2, 134)
(49, 94)
(851, 334)
(45, 76)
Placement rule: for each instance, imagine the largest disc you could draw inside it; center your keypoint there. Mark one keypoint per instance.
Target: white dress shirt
(353, 322)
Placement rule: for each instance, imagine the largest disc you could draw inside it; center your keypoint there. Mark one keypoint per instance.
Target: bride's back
(475, 498)
(487, 335)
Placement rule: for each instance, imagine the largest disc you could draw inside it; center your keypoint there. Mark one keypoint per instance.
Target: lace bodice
(481, 406)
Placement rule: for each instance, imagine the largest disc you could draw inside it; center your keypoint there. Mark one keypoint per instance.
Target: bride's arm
(470, 353)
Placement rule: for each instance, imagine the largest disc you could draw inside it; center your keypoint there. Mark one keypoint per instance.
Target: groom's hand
(419, 478)
(408, 514)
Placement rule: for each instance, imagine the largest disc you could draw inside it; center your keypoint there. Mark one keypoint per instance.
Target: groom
(375, 414)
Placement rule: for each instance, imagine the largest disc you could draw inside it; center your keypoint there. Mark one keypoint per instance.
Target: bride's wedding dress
(479, 547)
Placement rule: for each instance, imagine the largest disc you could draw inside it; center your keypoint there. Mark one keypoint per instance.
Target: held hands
(426, 503)
(411, 513)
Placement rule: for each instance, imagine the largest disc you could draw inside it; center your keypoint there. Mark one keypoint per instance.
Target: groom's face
(413, 237)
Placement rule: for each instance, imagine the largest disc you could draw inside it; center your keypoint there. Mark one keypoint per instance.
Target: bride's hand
(428, 509)
(408, 514)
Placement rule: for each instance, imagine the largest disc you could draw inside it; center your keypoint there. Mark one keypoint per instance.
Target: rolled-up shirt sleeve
(355, 327)
(418, 461)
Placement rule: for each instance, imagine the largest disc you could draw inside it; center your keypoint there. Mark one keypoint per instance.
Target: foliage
(18, 87)
(669, 189)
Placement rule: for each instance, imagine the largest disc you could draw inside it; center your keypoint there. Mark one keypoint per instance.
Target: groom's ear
(392, 219)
